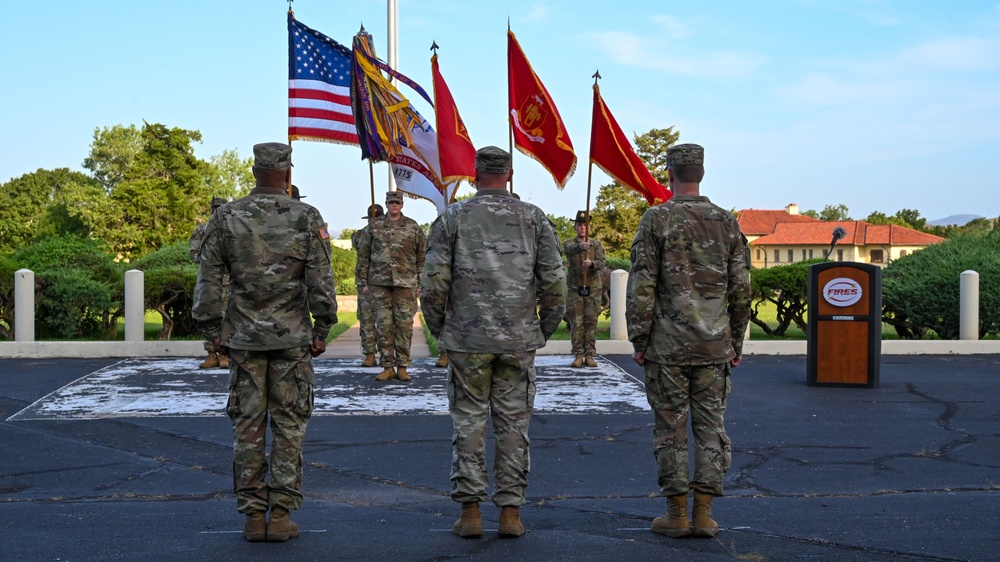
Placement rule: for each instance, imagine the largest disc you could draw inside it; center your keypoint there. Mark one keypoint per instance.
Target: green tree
(230, 176)
(152, 190)
(169, 278)
(786, 287)
(346, 233)
(565, 227)
(652, 147)
(27, 202)
(835, 213)
(877, 217)
(810, 213)
(921, 291)
(911, 218)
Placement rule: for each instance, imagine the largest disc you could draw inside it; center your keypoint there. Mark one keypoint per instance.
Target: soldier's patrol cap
(685, 155)
(581, 217)
(295, 193)
(394, 196)
(492, 160)
(375, 211)
(218, 202)
(272, 155)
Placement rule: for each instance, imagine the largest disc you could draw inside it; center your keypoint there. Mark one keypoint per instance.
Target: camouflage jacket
(574, 258)
(391, 253)
(494, 281)
(194, 243)
(356, 240)
(277, 252)
(688, 298)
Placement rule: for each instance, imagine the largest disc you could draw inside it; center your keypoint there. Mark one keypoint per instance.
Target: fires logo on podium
(842, 292)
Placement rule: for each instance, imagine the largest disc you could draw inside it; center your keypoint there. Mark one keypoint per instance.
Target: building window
(840, 255)
(810, 253)
(758, 254)
(804, 254)
(791, 256)
(876, 256)
(902, 253)
(777, 256)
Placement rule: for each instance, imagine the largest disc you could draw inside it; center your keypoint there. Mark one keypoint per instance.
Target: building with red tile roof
(783, 237)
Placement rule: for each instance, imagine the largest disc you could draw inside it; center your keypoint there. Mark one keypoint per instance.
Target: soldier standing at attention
(276, 251)
(214, 360)
(583, 296)
(493, 292)
(366, 316)
(390, 259)
(687, 309)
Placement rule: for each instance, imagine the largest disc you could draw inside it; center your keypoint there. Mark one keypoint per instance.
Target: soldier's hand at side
(735, 362)
(317, 348)
(218, 347)
(365, 289)
(639, 357)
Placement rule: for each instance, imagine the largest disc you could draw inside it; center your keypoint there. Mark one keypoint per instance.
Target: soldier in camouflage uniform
(585, 256)
(687, 309)
(493, 291)
(214, 360)
(277, 253)
(366, 316)
(390, 259)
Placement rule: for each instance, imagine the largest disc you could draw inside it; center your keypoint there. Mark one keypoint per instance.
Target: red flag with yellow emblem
(538, 130)
(457, 153)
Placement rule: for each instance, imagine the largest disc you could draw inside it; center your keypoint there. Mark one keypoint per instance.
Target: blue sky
(878, 105)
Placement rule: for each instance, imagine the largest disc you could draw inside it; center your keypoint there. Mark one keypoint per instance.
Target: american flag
(319, 87)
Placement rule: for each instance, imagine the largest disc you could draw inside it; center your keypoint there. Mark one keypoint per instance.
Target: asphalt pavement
(104, 459)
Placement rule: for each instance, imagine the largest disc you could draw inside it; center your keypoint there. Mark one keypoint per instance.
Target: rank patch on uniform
(324, 233)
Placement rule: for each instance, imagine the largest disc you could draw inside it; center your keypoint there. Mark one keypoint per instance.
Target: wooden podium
(845, 324)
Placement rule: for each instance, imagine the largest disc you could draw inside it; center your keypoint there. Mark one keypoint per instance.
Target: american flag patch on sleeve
(324, 233)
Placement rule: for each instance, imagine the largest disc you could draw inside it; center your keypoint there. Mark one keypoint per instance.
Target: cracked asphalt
(908, 471)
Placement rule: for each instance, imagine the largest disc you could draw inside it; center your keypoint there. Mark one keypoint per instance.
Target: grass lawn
(153, 322)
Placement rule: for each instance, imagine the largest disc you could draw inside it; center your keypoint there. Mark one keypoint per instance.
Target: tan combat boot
(704, 525)
(211, 363)
(589, 361)
(255, 528)
(675, 524)
(470, 524)
(387, 374)
(510, 522)
(401, 374)
(223, 361)
(577, 363)
(442, 360)
(281, 527)
(369, 360)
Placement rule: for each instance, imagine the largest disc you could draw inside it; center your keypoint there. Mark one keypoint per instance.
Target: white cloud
(674, 26)
(629, 49)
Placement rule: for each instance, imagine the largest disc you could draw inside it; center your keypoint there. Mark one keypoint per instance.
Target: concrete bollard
(135, 308)
(24, 305)
(619, 283)
(968, 315)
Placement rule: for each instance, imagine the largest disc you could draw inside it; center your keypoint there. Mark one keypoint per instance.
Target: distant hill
(957, 220)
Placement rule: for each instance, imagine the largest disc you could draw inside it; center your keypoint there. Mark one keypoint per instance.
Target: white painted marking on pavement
(178, 388)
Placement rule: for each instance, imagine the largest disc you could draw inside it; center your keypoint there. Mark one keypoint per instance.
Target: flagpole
(590, 174)
(393, 60)
(510, 120)
(371, 181)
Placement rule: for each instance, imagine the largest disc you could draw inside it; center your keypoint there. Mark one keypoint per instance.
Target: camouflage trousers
(581, 314)
(673, 390)
(483, 386)
(366, 321)
(394, 308)
(276, 384)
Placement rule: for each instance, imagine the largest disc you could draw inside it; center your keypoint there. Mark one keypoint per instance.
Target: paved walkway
(348, 344)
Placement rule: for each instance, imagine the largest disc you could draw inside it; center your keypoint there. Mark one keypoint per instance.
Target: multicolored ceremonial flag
(458, 154)
(611, 150)
(417, 168)
(319, 93)
(538, 130)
